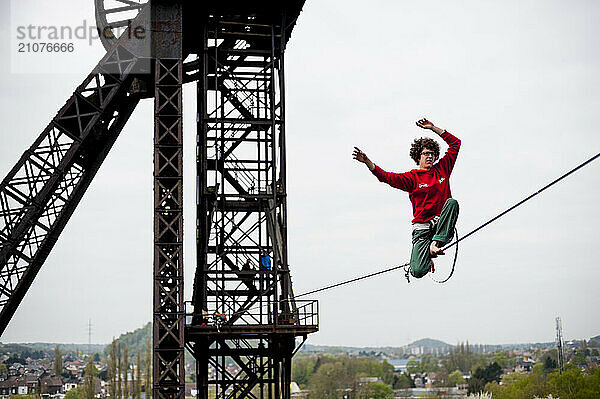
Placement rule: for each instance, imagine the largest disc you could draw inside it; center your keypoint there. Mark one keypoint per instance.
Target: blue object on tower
(265, 262)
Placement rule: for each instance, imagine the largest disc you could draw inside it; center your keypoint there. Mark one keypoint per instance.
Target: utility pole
(560, 345)
(90, 336)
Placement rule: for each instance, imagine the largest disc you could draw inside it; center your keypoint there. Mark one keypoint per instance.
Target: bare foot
(431, 266)
(435, 248)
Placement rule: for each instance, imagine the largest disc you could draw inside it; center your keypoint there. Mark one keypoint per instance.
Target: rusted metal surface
(168, 317)
(113, 16)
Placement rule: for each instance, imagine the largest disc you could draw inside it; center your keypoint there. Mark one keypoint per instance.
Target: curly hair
(424, 142)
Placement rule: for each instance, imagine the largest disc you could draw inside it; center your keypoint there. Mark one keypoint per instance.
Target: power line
(461, 238)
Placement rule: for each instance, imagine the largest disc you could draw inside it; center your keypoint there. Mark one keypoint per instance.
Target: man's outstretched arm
(402, 181)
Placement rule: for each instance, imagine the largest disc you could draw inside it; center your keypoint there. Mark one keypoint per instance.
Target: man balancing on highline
(434, 210)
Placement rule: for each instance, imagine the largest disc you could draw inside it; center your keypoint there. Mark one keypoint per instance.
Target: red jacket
(428, 189)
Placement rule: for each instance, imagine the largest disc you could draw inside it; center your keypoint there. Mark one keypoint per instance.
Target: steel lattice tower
(243, 308)
(242, 215)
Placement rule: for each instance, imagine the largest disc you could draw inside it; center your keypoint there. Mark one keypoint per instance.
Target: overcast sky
(517, 81)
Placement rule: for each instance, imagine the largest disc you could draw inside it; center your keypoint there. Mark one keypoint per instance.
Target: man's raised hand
(362, 157)
(359, 155)
(425, 124)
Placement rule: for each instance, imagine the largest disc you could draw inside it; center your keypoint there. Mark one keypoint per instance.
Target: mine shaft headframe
(243, 310)
(113, 16)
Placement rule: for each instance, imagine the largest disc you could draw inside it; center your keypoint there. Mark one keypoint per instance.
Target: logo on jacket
(442, 179)
(423, 185)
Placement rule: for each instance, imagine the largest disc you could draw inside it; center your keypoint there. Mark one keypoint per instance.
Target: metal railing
(219, 313)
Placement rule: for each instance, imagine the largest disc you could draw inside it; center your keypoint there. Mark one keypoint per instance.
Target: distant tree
(482, 376)
(429, 364)
(103, 375)
(456, 378)
(413, 367)
(317, 365)
(379, 390)
(461, 359)
(57, 365)
(325, 381)
(16, 358)
(96, 357)
(572, 384)
(343, 373)
(138, 376)
(125, 372)
(403, 381)
(579, 358)
(75, 393)
(89, 379)
(501, 358)
(302, 370)
(119, 371)
(575, 384)
(3, 369)
(148, 369)
(29, 396)
(549, 364)
(476, 385)
(36, 355)
(112, 370)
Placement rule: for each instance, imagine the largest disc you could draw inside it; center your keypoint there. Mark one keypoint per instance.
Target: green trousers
(442, 231)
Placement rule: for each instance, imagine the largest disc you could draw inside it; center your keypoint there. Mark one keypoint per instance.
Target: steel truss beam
(41, 192)
(168, 320)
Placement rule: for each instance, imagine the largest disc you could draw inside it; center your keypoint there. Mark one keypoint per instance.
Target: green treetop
(89, 379)
(57, 365)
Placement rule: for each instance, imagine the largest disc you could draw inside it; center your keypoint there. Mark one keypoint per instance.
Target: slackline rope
(461, 238)
(405, 266)
(453, 264)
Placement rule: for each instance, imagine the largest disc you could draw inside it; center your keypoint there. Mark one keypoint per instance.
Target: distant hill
(49, 347)
(422, 346)
(425, 342)
(135, 340)
(430, 343)
(426, 345)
